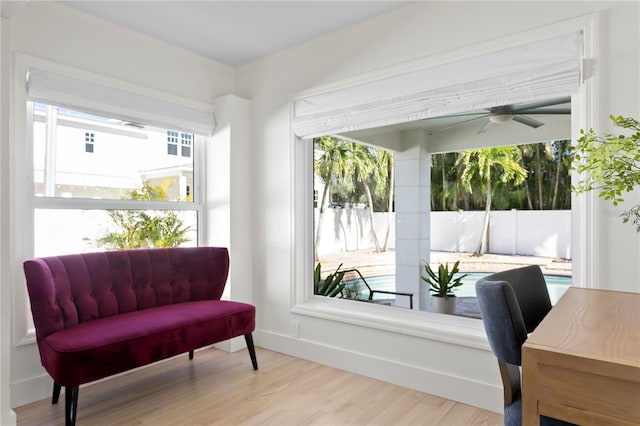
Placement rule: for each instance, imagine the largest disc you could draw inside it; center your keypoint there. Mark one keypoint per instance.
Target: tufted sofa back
(67, 290)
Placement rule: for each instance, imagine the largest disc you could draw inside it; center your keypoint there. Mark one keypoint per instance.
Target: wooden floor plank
(218, 388)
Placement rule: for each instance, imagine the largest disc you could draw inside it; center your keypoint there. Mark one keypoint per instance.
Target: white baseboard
(482, 395)
(30, 390)
(231, 345)
(8, 419)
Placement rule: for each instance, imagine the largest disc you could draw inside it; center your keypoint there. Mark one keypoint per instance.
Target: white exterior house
(257, 199)
(105, 158)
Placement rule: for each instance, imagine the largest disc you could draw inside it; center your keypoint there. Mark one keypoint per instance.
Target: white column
(413, 181)
(228, 200)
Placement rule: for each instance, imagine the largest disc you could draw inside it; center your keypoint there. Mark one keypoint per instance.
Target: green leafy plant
(143, 229)
(331, 285)
(442, 283)
(611, 164)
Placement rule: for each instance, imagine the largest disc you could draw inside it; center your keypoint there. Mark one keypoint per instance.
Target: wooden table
(582, 363)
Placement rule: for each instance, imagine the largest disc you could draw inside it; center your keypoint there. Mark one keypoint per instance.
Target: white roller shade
(544, 69)
(95, 98)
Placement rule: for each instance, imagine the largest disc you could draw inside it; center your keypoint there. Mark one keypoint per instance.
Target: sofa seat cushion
(99, 348)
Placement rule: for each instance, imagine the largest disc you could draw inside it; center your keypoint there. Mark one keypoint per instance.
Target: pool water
(556, 284)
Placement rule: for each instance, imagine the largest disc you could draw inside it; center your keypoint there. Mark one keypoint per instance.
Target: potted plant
(441, 286)
(331, 285)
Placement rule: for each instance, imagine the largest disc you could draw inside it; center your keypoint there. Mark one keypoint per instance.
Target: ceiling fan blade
(540, 104)
(527, 121)
(485, 127)
(460, 122)
(550, 111)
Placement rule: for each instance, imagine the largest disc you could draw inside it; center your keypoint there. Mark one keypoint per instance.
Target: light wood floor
(218, 388)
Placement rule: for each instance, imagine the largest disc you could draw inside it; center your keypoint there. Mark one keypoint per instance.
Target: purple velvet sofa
(99, 314)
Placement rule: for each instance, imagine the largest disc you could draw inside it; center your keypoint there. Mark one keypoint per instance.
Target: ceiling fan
(515, 112)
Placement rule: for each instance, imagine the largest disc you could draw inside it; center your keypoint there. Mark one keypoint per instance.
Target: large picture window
(425, 111)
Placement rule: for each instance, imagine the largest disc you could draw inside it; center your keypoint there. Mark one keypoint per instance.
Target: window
(400, 99)
(89, 139)
(354, 227)
(185, 141)
(172, 142)
(110, 200)
(68, 201)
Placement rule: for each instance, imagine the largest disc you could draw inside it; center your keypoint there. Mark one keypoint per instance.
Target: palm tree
(385, 159)
(330, 165)
(364, 166)
(505, 162)
(561, 150)
(445, 187)
(141, 229)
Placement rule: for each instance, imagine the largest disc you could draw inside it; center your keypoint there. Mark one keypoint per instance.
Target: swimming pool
(556, 284)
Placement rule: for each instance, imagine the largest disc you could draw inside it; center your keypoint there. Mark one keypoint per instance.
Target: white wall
(420, 30)
(544, 233)
(7, 416)
(349, 229)
(51, 31)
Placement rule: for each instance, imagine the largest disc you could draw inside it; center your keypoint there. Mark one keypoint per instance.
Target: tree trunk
(374, 237)
(529, 201)
(390, 205)
(525, 183)
(557, 181)
(485, 227)
(321, 210)
(539, 178)
(444, 187)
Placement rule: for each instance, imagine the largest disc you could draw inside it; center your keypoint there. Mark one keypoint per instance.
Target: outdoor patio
(372, 264)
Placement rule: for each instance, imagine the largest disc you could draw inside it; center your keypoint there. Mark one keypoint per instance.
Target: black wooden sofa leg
(190, 354)
(56, 393)
(70, 405)
(252, 350)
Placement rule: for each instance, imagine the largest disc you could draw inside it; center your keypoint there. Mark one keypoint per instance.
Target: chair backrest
(502, 320)
(530, 290)
(506, 331)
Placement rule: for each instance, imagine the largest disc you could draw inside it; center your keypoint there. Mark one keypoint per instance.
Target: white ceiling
(234, 32)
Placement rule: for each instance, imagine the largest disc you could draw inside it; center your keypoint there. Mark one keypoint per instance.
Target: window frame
(23, 201)
(452, 329)
(62, 203)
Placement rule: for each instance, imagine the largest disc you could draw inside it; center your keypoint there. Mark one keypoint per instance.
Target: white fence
(544, 233)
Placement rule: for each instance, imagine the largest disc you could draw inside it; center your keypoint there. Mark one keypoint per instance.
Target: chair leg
(70, 405)
(56, 393)
(190, 354)
(252, 350)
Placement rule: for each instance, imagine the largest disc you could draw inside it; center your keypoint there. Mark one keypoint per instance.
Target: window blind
(542, 69)
(95, 98)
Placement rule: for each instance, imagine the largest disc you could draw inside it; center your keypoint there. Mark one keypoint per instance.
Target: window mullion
(95, 204)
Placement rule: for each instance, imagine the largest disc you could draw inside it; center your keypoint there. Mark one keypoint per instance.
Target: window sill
(444, 328)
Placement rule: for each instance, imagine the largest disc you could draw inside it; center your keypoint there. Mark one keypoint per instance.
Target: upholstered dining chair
(505, 326)
(530, 290)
